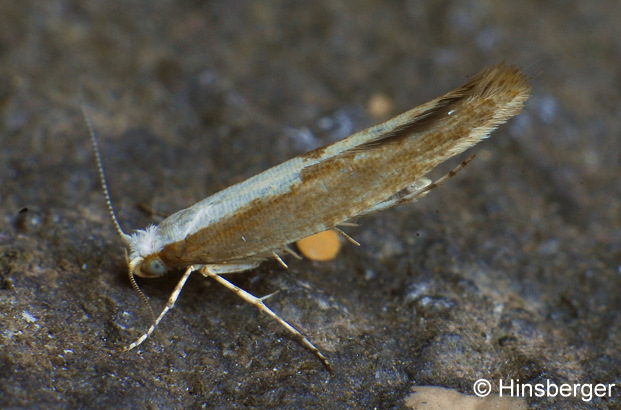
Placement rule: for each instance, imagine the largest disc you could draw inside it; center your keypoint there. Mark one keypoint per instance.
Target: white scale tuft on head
(145, 242)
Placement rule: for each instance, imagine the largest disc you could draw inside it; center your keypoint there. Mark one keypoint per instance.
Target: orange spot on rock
(322, 246)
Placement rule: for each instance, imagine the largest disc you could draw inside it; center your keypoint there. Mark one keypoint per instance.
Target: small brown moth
(372, 170)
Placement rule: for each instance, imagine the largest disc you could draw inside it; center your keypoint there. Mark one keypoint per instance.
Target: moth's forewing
(330, 185)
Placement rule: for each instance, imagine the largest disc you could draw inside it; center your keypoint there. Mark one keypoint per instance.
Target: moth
(385, 165)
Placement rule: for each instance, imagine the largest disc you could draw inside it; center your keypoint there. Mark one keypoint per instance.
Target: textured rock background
(511, 270)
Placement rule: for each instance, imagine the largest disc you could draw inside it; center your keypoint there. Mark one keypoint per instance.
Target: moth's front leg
(169, 305)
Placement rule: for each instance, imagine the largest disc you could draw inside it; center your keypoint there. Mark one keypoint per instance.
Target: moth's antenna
(145, 301)
(104, 187)
(102, 175)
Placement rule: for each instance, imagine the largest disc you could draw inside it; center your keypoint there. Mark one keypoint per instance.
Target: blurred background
(510, 270)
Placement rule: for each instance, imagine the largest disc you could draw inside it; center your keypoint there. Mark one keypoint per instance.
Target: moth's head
(144, 248)
(147, 267)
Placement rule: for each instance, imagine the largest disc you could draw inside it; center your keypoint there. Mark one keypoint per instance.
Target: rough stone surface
(511, 270)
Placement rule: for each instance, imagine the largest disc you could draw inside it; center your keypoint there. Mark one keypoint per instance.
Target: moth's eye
(152, 269)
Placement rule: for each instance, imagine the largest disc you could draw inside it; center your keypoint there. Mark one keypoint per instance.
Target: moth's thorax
(145, 242)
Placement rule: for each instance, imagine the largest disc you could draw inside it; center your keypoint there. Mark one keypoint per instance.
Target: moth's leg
(169, 305)
(279, 259)
(417, 190)
(346, 236)
(258, 303)
(223, 269)
(409, 194)
(447, 176)
(292, 252)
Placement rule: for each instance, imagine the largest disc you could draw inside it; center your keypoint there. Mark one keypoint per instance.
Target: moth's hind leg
(258, 303)
(448, 175)
(416, 190)
(409, 194)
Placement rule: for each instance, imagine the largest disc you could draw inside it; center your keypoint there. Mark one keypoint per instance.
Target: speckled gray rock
(510, 270)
